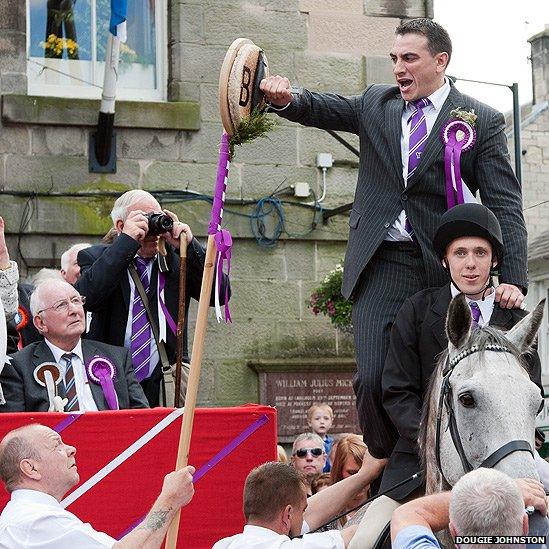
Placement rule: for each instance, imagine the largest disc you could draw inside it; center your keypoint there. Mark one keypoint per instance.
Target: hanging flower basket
(327, 299)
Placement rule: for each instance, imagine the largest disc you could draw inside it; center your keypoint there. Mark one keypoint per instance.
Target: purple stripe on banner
(224, 452)
(69, 420)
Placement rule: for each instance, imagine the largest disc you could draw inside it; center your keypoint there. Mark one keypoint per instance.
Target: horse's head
(481, 405)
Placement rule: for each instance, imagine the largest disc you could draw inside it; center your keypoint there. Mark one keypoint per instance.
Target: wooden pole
(194, 375)
(180, 316)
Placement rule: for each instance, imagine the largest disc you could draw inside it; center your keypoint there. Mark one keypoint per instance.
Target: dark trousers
(151, 386)
(394, 273)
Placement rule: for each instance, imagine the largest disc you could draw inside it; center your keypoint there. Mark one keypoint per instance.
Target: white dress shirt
(257, 537)
(83, 391)
(485, 305)
(32, 519)
(437, 98)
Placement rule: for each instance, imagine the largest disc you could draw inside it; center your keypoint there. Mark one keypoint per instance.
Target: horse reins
(445, 402)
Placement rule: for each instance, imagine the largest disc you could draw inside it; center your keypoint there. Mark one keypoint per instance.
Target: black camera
(159, 223)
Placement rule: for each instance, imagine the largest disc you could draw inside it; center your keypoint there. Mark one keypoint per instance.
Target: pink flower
(316, 310)
(330, 307)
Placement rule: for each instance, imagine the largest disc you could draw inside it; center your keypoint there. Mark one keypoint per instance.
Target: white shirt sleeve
(49, 532)
(8, 289)
(542, 467)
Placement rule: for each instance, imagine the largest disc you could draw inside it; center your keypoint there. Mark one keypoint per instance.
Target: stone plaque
(293, 386)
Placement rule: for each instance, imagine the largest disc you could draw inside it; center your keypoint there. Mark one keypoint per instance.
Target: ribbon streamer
(458, 136)
(223, 239)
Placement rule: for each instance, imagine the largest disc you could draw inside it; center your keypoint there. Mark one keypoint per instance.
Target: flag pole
(102, 143)
(201, 324)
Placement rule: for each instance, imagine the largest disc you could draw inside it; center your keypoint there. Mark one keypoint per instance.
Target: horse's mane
(480, 338)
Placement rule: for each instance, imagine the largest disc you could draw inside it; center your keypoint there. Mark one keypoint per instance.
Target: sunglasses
(317, 452)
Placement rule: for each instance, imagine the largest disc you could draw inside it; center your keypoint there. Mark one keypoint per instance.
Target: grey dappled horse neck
(491, 396)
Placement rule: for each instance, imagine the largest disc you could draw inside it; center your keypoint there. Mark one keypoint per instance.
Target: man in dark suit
(58, 314)
(401, 195)
(469, 244)
(111, 294)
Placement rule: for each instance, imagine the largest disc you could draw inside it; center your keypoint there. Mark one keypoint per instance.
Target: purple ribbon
(223, 243)
(224, 452)
(220, 185)
(453, 147)
(101, 370)
(69, 420)
(161, 286)
(223, 239)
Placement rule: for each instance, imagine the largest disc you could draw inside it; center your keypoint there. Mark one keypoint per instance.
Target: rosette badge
(102, 371)
(458, 136)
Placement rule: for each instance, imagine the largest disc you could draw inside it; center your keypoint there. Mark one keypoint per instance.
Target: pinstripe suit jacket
(375, 116)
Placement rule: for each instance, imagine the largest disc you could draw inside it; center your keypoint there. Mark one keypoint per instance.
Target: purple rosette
(458, 136)
(102, 371)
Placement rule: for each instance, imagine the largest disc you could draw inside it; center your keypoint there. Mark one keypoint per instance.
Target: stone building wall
(326, 45)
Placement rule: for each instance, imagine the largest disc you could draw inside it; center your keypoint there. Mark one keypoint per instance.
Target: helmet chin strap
(489, 282)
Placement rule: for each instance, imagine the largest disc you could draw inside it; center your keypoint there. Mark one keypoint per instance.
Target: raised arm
(325, 505)
(327, 111)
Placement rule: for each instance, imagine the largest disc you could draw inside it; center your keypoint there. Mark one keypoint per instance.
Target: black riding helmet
(470, 219)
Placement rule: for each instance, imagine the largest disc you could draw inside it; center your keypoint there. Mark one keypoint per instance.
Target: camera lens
(159, 223)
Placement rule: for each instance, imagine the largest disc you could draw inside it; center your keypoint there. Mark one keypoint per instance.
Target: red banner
(226, 444)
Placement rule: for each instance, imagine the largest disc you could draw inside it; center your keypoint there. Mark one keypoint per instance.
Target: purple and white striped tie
(140, 343)
(416, 143)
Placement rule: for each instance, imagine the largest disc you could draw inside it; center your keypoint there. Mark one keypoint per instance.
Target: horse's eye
(467, 400)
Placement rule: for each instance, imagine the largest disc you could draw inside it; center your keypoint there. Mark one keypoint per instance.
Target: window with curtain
(66, 43)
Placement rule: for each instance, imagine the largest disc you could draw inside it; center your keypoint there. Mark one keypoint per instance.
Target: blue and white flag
(117, 24)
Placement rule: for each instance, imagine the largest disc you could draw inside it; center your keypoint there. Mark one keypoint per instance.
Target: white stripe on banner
(118, 460)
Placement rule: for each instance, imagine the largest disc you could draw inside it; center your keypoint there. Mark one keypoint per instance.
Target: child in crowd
(320, 417)
(323, 481)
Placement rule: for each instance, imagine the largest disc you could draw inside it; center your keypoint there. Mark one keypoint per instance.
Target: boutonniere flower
(458, 135)
(467, 116)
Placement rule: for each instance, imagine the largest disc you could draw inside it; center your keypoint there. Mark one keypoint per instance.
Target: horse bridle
(445, 402)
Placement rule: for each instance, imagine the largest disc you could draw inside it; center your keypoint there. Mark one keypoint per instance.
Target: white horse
(479, 410)
(481, 405)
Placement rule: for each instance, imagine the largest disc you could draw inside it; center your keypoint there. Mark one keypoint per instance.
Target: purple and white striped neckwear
(416, 143)
(475, 312)
(141, 338)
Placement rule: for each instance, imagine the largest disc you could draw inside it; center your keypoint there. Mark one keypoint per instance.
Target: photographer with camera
(114, 277)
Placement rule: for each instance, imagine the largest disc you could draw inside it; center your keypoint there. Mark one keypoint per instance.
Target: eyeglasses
(63, 305)
(301, 453)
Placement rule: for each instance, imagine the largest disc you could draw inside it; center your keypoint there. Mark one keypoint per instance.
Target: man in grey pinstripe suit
(390, 254)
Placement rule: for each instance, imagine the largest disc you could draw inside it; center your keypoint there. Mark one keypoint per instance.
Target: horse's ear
(458, 321)
(523, 334)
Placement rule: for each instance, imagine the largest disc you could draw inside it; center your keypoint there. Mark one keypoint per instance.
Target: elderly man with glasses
(64, 372)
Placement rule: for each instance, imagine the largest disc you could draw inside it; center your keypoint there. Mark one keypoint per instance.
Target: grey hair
(486, 502)
(46, 274)
(75, 248)
(308, 436)
(123, 202)
(35, 302)
(15, 446)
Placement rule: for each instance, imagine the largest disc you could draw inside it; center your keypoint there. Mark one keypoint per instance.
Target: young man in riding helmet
(469, 244)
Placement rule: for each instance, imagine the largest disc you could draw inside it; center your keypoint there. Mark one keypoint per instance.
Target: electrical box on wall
(302, 189)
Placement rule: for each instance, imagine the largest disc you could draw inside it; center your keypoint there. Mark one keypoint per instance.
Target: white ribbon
(118, 460)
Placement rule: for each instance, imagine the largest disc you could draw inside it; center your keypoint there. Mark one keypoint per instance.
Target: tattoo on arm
(156, 520)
